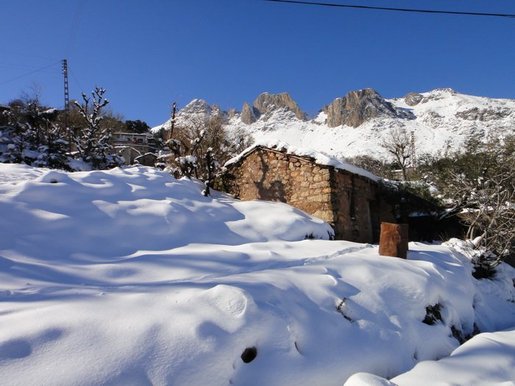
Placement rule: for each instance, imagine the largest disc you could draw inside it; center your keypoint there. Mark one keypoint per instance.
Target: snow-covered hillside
(486, 359)
(440, 120)
(130, 277)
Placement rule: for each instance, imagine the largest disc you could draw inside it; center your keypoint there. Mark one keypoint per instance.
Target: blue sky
(150, 53)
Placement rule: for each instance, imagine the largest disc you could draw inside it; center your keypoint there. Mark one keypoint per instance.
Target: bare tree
(211, 165)
(93, 141)
(480, 182)
(185, 146)
(373, 165)
(200, 146)
(398, 144)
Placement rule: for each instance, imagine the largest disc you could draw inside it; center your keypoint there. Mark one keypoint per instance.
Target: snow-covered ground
(486, 359)
(129, 277)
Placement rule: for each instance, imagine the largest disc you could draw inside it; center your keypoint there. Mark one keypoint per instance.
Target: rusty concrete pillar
(393, 240)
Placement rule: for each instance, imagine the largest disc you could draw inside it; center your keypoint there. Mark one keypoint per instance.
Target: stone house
(349, 198)
(132, 145)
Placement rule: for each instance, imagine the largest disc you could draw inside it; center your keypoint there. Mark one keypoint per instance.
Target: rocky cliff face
(360, 106)
(248, 114)
(477, 114)
(267, 103)
(413, 98)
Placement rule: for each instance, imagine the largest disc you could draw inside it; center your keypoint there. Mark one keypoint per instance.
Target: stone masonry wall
(355, 206)
(349, 202)
(277, 176)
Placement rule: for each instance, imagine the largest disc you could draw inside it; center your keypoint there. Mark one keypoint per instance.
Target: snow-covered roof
(319, 158)
(132, 134)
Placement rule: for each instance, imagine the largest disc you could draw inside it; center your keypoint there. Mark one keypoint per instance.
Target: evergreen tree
(32, 136)
(137, 126)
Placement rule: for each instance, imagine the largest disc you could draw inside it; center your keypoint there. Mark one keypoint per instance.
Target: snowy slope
(443, 120)
(486, 359)
(130, 277)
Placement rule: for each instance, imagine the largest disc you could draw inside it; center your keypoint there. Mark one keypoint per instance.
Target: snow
(319, 157)
(131, 277)
(486, 359)
(439, 126)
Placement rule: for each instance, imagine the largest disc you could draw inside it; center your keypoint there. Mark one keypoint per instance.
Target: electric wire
(75, 79)
(29, 73)
(393, 9)
(74, 27)
(25, 54)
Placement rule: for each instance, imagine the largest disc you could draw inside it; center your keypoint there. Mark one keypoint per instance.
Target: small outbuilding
(349, 198)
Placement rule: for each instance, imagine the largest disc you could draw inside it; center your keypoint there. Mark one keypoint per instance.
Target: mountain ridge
(440, 121)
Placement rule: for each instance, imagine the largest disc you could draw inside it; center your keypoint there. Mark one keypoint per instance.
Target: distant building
(133, 145)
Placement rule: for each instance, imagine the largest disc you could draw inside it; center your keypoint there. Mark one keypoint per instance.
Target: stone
(248, 114)
(476, 114)
(350, 203)
(360, 106)
(413, 98)
(249, 354)
(267, 103)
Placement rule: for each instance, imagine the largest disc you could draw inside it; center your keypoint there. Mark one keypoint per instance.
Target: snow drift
(130, 277)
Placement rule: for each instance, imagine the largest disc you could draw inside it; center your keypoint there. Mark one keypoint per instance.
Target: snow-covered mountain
(356, 124)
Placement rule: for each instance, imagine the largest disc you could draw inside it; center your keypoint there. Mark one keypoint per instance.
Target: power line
(412, 10)
(74, 78)
(28, 73)
(74, 26)
(25, 54)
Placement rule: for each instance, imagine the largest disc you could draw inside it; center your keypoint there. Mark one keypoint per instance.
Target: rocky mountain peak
(268, 103)
(440, 119)
(413, 98)
(198, 110)
(197, 107)
(359, 106)
(249, 114)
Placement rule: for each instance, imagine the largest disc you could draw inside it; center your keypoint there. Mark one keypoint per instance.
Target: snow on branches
(93, 141)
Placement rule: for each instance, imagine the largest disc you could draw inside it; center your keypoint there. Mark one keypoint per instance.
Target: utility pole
(172, 123)
(413, 155)
(67, 104)
(66, 89)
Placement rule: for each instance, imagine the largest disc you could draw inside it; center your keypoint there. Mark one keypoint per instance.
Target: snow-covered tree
(201, 146)
(31, 135)
(93, 140)
(53, 144)
(185, 161)
(480, 184)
